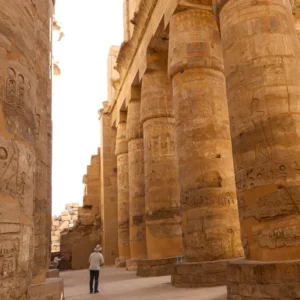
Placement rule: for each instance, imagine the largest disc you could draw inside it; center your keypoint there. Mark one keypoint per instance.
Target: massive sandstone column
(208, 196)
(43, 145)
(123, 196)
(163, 220)
(138, 249)
(109, 188)
(25, 147)
(262, 68)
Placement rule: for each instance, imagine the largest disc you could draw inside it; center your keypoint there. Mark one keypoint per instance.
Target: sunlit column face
(262, 68)
(206, 177)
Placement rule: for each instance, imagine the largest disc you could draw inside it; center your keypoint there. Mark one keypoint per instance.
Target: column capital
(218, 5)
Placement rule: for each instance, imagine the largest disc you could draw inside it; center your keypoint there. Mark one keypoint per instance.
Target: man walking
(96, 260)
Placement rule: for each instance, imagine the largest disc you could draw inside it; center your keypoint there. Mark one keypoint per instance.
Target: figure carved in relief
(11, 86)
(21, 91)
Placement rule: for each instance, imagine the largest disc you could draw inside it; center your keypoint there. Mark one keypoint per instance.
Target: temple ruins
(197, 174)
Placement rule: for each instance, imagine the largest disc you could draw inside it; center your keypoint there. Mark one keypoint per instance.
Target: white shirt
(56, 259)
(96, 259)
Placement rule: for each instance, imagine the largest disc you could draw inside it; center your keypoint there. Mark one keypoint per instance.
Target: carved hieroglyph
(206, 177)
(123, 192)
(138, 247)
(262, 67)
(163, 220)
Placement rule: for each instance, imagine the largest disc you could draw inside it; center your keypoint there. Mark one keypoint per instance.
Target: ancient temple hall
(195, 186)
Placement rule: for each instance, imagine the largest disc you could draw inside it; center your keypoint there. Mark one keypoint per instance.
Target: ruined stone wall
(79, 237)
(63, 223)
(25, 145)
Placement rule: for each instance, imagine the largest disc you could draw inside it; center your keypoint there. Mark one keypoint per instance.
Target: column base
(52, 289)
(52, 273)
(131, 264)
(263, 280)
(155, 267)
(199, 274)
(121, 262)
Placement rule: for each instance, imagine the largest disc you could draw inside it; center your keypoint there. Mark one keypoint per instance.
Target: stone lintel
(52, 288)
(155, 267)
(199, 274)
(187, 4)
(132, 53)
(263, 280)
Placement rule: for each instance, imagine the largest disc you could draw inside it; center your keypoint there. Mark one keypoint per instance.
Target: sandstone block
(55, 238)
(75, 217)
(65, 218)
(199, 274)
(55, 223)
(75, 205)
(155, 267)
(63, 225)
(65, 213)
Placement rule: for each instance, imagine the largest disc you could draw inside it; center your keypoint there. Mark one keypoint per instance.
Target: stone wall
(62, 224)
(80, 227)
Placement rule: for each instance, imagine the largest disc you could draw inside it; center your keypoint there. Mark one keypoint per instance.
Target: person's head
(98, 248)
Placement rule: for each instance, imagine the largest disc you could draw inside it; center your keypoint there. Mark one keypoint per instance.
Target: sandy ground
(117, 284)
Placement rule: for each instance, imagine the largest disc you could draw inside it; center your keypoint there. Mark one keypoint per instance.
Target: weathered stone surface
(206, 177)
(52, 288)
(263, 86)
(138, 247)
(123, 195)
(131, 265)
(163, 220)
(197, 274)
(109, 188)
(25, 145)
(263, 280)
(155, 267)
(52, 273)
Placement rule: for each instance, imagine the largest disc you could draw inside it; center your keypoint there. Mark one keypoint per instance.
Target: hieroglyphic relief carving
(16, 172)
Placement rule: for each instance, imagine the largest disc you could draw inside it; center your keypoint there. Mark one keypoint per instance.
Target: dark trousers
(94, 275)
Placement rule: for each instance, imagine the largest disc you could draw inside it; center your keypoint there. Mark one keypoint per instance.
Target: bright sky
(90, 28)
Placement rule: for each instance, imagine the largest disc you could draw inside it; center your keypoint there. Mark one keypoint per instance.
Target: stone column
(109, 188)
(43, 142)
(208, 195)
(123, 196)
(134, 132)
(262, 68)
(163, 220)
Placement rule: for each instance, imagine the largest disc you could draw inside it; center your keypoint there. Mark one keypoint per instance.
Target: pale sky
(90, 28)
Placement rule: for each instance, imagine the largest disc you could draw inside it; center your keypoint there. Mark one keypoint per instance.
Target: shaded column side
(163, 220)
(137, 220)
(109, 188)
(43, 146)
(123, 195)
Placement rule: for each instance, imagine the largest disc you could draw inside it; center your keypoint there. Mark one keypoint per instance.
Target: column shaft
(206, 176)
(263, 83)
(163, 220)
(109, 190)
(138, 247)
(123, 196)
(262, 68)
